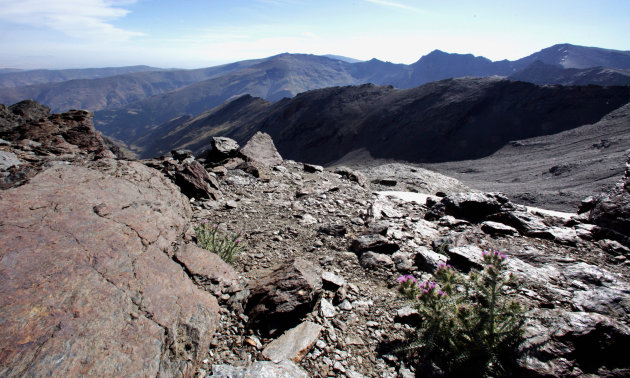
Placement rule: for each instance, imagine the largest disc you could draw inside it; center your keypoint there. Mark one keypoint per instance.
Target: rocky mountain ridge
(134, 295)
(275, 77)
(447, 120)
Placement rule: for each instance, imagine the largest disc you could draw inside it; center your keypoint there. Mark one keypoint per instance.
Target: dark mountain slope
(30, 77)
(572, 56)
(115, 91)
(447, 120)
(541, 73)
(556, 171)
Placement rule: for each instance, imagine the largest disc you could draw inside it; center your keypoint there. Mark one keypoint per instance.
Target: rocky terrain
(100, 274)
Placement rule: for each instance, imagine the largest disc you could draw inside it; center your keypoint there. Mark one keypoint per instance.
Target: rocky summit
(101, 274)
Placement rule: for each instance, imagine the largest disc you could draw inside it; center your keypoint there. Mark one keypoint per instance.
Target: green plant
(214, 240)
(469, 325)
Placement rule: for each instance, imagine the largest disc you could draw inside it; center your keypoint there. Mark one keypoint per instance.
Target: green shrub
(469, 326)
(214, 240)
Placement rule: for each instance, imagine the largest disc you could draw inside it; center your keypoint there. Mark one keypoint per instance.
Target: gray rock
(333, 229)
(465, 258)
(294, 344)
(375, 243)
(279, 300)
(428, 260)
(332, 281)
(496, 228)
(403, 260)
(614, 247)
(260, 369)
(473, 206)
(345, 305)
(261, 149)
(373, 260)
(224, 147)
(182, 154)
(352, 175)
(311, 168)
(326, 309)
(562, 343)
(8, 160)
(526, 223)
(385, 182)
(408, 315)
(596, 290)
(426, 230)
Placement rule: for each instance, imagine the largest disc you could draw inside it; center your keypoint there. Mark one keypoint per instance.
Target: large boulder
(560, 343)
(611, 211)
(473, 206)
(87, 286)
(260, 150)
(279, 300)
(195, 182)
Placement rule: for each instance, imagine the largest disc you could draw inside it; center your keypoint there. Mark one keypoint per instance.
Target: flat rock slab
(294, 344)
(260, 369)
(208, 269)
(86, 284)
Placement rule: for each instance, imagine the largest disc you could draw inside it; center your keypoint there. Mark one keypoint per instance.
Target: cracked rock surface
(87, 286)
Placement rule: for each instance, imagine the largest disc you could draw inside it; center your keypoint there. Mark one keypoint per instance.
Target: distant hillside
(452, 119)
(114, 91)
(572, 56)
(541, 73)
(20, 78)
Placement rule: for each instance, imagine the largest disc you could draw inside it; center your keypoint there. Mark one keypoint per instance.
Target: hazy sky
(200, 33)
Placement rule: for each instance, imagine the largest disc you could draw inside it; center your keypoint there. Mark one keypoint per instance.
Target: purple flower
(405, 278)
(205, 221)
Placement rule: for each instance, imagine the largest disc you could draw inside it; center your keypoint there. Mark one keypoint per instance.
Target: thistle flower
(405, 278)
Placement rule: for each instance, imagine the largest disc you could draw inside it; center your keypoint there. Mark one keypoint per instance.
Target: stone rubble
(314, 288)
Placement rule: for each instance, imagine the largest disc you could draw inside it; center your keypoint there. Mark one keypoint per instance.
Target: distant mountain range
(132, 106)
(10, 78)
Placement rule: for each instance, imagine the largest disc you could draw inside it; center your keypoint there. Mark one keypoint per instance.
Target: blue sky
(201, 33)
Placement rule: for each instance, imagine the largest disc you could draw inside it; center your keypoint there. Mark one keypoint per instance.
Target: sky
(58, 34)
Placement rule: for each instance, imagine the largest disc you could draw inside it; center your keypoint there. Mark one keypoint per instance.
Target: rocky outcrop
(87, 286)
(562, 343)
(611, 211)
(34, 138)
(187, 173)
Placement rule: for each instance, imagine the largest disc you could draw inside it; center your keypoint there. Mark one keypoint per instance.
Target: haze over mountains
(273, 78)
(318, 109)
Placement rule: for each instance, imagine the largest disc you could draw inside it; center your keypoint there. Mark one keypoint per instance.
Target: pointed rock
(260, 149)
